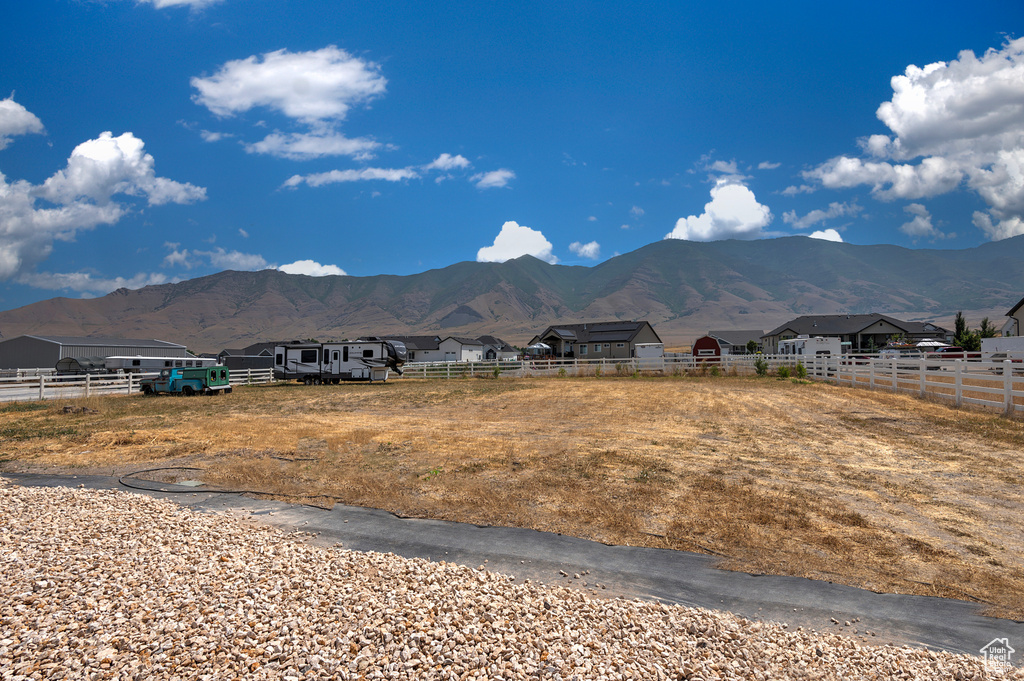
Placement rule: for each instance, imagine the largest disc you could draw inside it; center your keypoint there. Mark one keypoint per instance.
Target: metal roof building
(38, 352)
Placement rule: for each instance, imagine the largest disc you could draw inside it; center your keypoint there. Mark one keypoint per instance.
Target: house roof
(105, 341)
(418, 342)
(619, 331)
(496, 342)
(738, 338)
(464, 340)
(1013, 310)
(843, 324)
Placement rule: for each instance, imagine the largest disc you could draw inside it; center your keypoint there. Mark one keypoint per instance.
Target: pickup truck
(199, 380)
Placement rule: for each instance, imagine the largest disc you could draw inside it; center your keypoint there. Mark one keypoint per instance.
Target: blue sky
(146, 142)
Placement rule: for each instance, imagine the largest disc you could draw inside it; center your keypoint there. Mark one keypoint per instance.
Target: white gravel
(110, 585)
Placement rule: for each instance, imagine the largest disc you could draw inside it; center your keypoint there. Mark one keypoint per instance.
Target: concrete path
(668, 576)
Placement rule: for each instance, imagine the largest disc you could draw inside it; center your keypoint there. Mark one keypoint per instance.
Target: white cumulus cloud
(515, 240)
(826, 235)
(732, 213)
(493, 179)
(16, 120)
(953, 123)
(352, 175)
(591, 250)
(87, 193)
(302, 146)
(448, 162)
(920, 226)
(311, 268)
(316, 86)
(108, 165)
(834, 210)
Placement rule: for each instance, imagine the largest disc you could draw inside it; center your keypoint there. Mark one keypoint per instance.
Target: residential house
(421, 348)
(457, 349)
(857, 332)
(1015, 324)
(255, 356)
(597, 340)
(497, 349)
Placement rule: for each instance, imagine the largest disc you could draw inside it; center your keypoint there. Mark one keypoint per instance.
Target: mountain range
(683, 288)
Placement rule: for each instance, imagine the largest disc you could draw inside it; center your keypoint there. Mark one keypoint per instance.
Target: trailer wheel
(188, 391)
(317, 381)
(147, 390)
(308, 380)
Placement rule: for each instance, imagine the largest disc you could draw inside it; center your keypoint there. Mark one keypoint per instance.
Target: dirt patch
(864, 488)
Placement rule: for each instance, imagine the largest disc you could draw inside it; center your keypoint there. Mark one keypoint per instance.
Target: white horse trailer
(139, 365)
(368, 359)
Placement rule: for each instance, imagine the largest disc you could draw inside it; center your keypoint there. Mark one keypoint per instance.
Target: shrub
(497, 371)
(783, 372)
(715, 371)
(562, 372)
(801, 370)
(761, 366)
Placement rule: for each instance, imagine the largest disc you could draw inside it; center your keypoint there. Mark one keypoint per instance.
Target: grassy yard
(865, 488)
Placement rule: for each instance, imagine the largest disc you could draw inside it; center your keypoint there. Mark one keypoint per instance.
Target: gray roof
(417, 342)
(466, 341)
(844, 324)
(497, 342)
(105, 341)
(620, 331)
(738, 338)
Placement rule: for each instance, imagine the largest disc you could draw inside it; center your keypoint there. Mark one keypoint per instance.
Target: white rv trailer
(137, 365)
(368, 359)
(806, 345)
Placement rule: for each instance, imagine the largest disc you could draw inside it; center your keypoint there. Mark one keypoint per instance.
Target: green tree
(963, 336)
(987, 329)
(751, 346)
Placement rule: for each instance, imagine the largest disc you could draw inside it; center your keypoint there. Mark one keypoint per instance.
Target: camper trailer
(806, 345)
(369, 359)
(141, 365)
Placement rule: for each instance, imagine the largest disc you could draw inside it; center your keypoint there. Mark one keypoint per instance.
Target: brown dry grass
(865, 488)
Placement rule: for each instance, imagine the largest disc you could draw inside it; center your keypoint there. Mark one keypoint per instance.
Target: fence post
(923, 379)
(871, 375)
(959, 381)
(895, 377)
(131, 383)
(42, 379)
(87, 382)
(1008, 386)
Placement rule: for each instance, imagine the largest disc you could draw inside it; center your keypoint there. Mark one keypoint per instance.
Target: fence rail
(990, 384)
(53, 387)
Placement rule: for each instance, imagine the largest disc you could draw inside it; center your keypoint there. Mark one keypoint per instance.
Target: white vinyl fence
(992, 384)
(52, 387)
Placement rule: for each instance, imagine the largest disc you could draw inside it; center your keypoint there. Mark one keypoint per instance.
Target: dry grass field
(870, 489)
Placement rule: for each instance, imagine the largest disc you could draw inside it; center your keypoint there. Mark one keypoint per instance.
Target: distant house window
(704, 352)
(188, 362)
(177, 362)
(620, 345)
(583, 349)
(136, 362)
(607, 345)
(167, 362)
